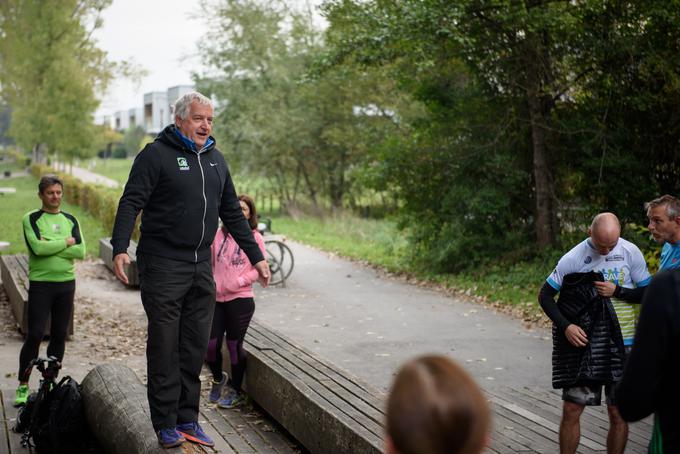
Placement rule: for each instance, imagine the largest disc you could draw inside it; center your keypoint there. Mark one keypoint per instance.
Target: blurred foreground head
(435, 407)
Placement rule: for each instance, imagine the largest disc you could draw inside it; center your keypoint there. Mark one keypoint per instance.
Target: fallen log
(117, 411)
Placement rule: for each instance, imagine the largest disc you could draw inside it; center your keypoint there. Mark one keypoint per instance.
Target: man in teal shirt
(54, 241)
(664, 225)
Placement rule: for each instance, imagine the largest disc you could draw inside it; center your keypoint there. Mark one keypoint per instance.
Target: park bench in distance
(14, 273)
(324, 407)
(106, 254)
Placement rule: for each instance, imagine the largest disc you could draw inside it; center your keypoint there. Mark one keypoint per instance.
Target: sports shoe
(233, 399)
(216, 389)
(169, 438)
(193, 432)
(21, 396)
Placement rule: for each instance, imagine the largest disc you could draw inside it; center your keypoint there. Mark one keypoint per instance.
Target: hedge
(99, 201)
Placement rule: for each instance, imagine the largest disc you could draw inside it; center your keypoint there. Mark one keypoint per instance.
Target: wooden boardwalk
(527, 420)
(244, 430)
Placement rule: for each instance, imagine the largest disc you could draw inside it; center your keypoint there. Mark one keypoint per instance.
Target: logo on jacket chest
(183, 163)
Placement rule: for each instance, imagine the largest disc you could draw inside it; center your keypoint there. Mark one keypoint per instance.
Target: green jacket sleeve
(76, 251)
(38, 246)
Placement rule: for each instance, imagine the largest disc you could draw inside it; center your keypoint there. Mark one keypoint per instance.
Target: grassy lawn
(116, 169)
(14, 206)
(11, 166)
(378, 242)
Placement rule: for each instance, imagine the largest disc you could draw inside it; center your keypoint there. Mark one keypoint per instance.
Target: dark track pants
(179, 300)
(46, 299)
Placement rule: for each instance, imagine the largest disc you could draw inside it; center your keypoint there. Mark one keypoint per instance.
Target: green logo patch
(182, 163)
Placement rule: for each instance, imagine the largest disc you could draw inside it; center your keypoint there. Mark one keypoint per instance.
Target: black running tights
(46, 299)
(232, 317)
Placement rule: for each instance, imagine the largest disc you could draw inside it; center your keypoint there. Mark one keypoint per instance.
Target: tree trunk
(545, 234)
(308, 182)
(537, 77)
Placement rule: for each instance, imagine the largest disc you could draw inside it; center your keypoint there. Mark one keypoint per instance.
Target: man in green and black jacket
(54, 241)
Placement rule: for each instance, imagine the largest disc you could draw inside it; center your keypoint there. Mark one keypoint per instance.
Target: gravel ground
(109, 325)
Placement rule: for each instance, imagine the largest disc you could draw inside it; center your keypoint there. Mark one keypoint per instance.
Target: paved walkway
(369, 324)
(86, 176)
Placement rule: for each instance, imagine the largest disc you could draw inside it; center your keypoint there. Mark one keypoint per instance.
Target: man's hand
(262, 268)
(576, 336)
(119, 262)
(70, 241)
(605, 288)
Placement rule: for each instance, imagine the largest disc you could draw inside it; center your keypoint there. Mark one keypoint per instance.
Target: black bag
(59, 424)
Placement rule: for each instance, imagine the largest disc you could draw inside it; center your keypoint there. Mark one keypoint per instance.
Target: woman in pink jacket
(234, 276)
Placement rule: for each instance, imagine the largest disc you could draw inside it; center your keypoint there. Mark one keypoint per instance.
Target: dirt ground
(109, 326)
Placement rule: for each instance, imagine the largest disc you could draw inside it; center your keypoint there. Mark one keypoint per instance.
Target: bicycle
(279, 256)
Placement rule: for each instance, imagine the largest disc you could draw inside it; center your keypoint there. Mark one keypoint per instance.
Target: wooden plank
(237, 420)
(106, 254)
(268, 430)
(507, 425)
(221, 445)
(11, 416)
(230, 433)
(297, 407)
(363, 390)
(336, 386)
(5, 428)
(540, 421)
(639, 432)
(593, 429)
(594, 420)
(342, 409)
(335, 394)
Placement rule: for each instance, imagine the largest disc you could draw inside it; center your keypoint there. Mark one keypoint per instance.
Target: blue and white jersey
(670, 256)
(625, 266)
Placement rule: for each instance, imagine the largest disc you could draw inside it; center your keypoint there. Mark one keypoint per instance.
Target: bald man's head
(604, 232)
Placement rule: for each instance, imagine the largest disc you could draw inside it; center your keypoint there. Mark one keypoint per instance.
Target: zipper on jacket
(205, 204)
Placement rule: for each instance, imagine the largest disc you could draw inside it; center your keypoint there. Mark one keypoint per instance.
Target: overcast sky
(160, 36)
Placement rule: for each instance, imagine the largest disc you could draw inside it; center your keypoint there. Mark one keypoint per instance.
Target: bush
(99, 201)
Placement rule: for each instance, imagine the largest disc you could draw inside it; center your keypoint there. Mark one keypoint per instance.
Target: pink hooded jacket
(233, 272)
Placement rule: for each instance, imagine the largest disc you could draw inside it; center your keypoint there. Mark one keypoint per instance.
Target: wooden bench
(106, 254)
(14, 274)
(325, 408)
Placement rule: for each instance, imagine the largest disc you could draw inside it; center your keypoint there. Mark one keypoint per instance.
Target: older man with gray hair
(182, 184)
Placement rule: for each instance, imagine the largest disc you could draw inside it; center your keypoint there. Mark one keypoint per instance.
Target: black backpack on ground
(56, 423)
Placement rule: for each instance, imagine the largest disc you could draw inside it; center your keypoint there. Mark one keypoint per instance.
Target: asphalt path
(369, 324)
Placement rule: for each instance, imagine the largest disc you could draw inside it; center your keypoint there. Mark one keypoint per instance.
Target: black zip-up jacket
(181, 192)
(650, 381)
(601, 360)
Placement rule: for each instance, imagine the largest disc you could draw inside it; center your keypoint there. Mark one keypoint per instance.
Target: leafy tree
(132, 139)
(305, 134)
(50, 71)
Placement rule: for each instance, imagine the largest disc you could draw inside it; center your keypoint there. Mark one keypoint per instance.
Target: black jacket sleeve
(236, 223)
(546, 298)
(630, 295)
(141, 183)
(638, 393)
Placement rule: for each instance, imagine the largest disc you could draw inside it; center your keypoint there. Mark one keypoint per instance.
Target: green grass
(379, 242)
(116, 169)
(14, 206)
(11, 166)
